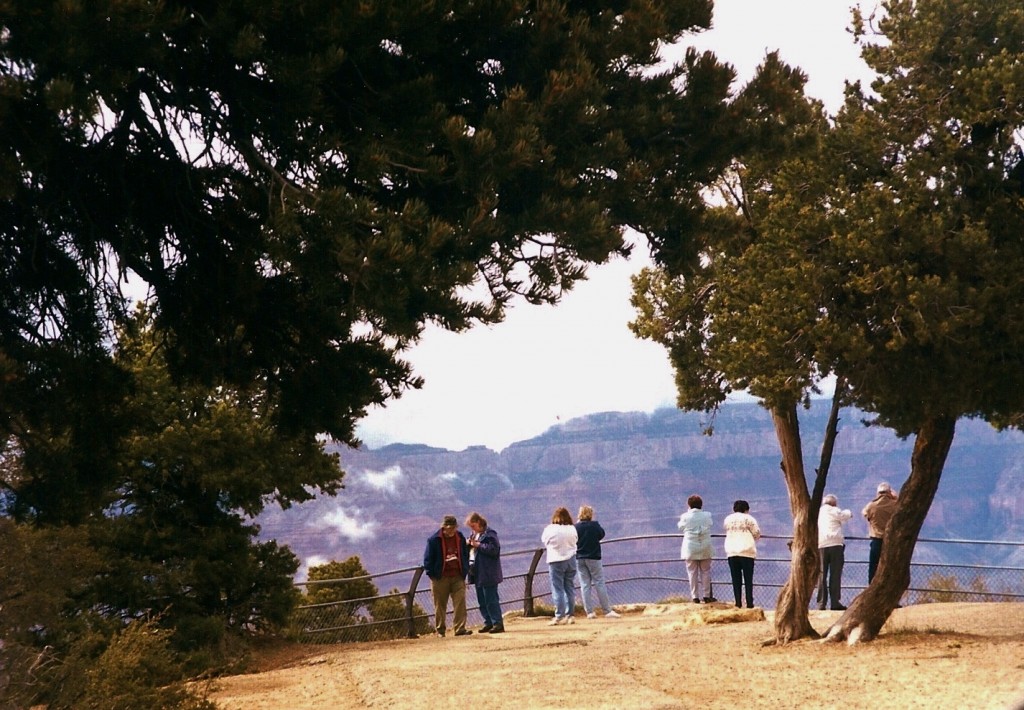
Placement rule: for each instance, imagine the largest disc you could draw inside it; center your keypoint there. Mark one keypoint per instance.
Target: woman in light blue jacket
(696, 527)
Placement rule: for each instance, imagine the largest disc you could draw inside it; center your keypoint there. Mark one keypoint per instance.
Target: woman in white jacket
(696, 550)
(560, 539)
(741, 535)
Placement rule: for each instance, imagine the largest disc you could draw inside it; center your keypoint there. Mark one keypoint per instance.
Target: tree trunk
(869, 611)
(792, 621)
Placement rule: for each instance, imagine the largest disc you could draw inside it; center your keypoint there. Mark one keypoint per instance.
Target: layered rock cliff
(636, 470)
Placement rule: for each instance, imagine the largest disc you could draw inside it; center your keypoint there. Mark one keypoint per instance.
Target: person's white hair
(883, 487)
(830, 500)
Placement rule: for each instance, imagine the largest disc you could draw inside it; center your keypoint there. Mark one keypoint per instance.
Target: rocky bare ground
(659, 656)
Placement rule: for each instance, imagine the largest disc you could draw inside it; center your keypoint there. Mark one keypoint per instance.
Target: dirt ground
(659, 656)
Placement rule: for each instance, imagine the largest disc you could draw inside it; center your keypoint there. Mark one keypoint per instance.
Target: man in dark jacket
(446, 562)
(588, 558)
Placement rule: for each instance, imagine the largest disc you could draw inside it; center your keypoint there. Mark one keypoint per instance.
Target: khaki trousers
(443, 588)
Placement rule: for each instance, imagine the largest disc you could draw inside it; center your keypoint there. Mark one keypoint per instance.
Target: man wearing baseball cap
(878, 513)
(446, 562)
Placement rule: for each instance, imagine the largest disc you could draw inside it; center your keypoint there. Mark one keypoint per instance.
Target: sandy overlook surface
(659, 656)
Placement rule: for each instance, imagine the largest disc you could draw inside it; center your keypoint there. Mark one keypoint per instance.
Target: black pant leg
(736, 572)
(748, 580)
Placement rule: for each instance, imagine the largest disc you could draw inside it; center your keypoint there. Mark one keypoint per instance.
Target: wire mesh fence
(643, 570)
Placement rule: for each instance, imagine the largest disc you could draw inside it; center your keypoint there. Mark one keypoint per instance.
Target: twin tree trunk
(869, 611)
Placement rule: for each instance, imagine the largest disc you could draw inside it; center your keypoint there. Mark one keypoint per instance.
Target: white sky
(546, 364)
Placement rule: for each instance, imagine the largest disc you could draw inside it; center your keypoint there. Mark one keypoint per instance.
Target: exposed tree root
(838, 633)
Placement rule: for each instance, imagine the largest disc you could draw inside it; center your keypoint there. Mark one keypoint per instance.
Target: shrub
(947, 588)
(135, 670)
(343, 605)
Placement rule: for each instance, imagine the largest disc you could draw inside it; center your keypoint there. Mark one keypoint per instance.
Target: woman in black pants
(741, 534)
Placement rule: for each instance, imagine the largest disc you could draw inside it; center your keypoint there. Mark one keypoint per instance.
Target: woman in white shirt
(560, 540)
(741, 534)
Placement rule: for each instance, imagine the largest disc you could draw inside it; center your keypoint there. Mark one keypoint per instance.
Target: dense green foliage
(172, 541)
(741, 316)
(44, 582)
(58, 650)
(927, 239)
(136, 671)
(886, 250)
(884, 246)
(299, 188)
(303, 185)
(192, 467)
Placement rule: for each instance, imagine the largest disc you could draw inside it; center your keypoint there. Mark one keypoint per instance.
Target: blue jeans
(490, 606)
(592, 577)
(563, 574)
(874, 555)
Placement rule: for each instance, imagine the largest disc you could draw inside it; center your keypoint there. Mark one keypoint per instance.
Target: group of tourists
(574, 550)
(741, 534)
(451, 561)
(742, 531)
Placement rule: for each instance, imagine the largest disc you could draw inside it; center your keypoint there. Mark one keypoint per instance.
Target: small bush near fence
(341, 604)
(948, 588)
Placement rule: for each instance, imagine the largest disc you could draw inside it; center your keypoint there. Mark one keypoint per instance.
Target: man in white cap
(832, 548)
(878, 513)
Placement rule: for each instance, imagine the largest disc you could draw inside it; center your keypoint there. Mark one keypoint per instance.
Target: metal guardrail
(647, 569)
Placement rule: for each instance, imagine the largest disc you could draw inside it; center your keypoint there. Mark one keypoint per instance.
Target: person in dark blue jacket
(446, 562)
(485, 572)
(588, 558)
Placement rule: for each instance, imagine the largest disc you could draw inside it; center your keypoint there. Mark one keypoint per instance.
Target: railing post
(410, 600)
(528, 591)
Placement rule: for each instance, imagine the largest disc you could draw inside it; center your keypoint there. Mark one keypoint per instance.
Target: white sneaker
(591, 615)
(557, 621)
(612, 615)
(570, 619)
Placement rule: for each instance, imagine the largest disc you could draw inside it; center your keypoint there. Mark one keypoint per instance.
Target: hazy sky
(546, 364)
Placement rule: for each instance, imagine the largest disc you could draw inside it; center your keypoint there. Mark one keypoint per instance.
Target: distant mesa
(637, 469)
